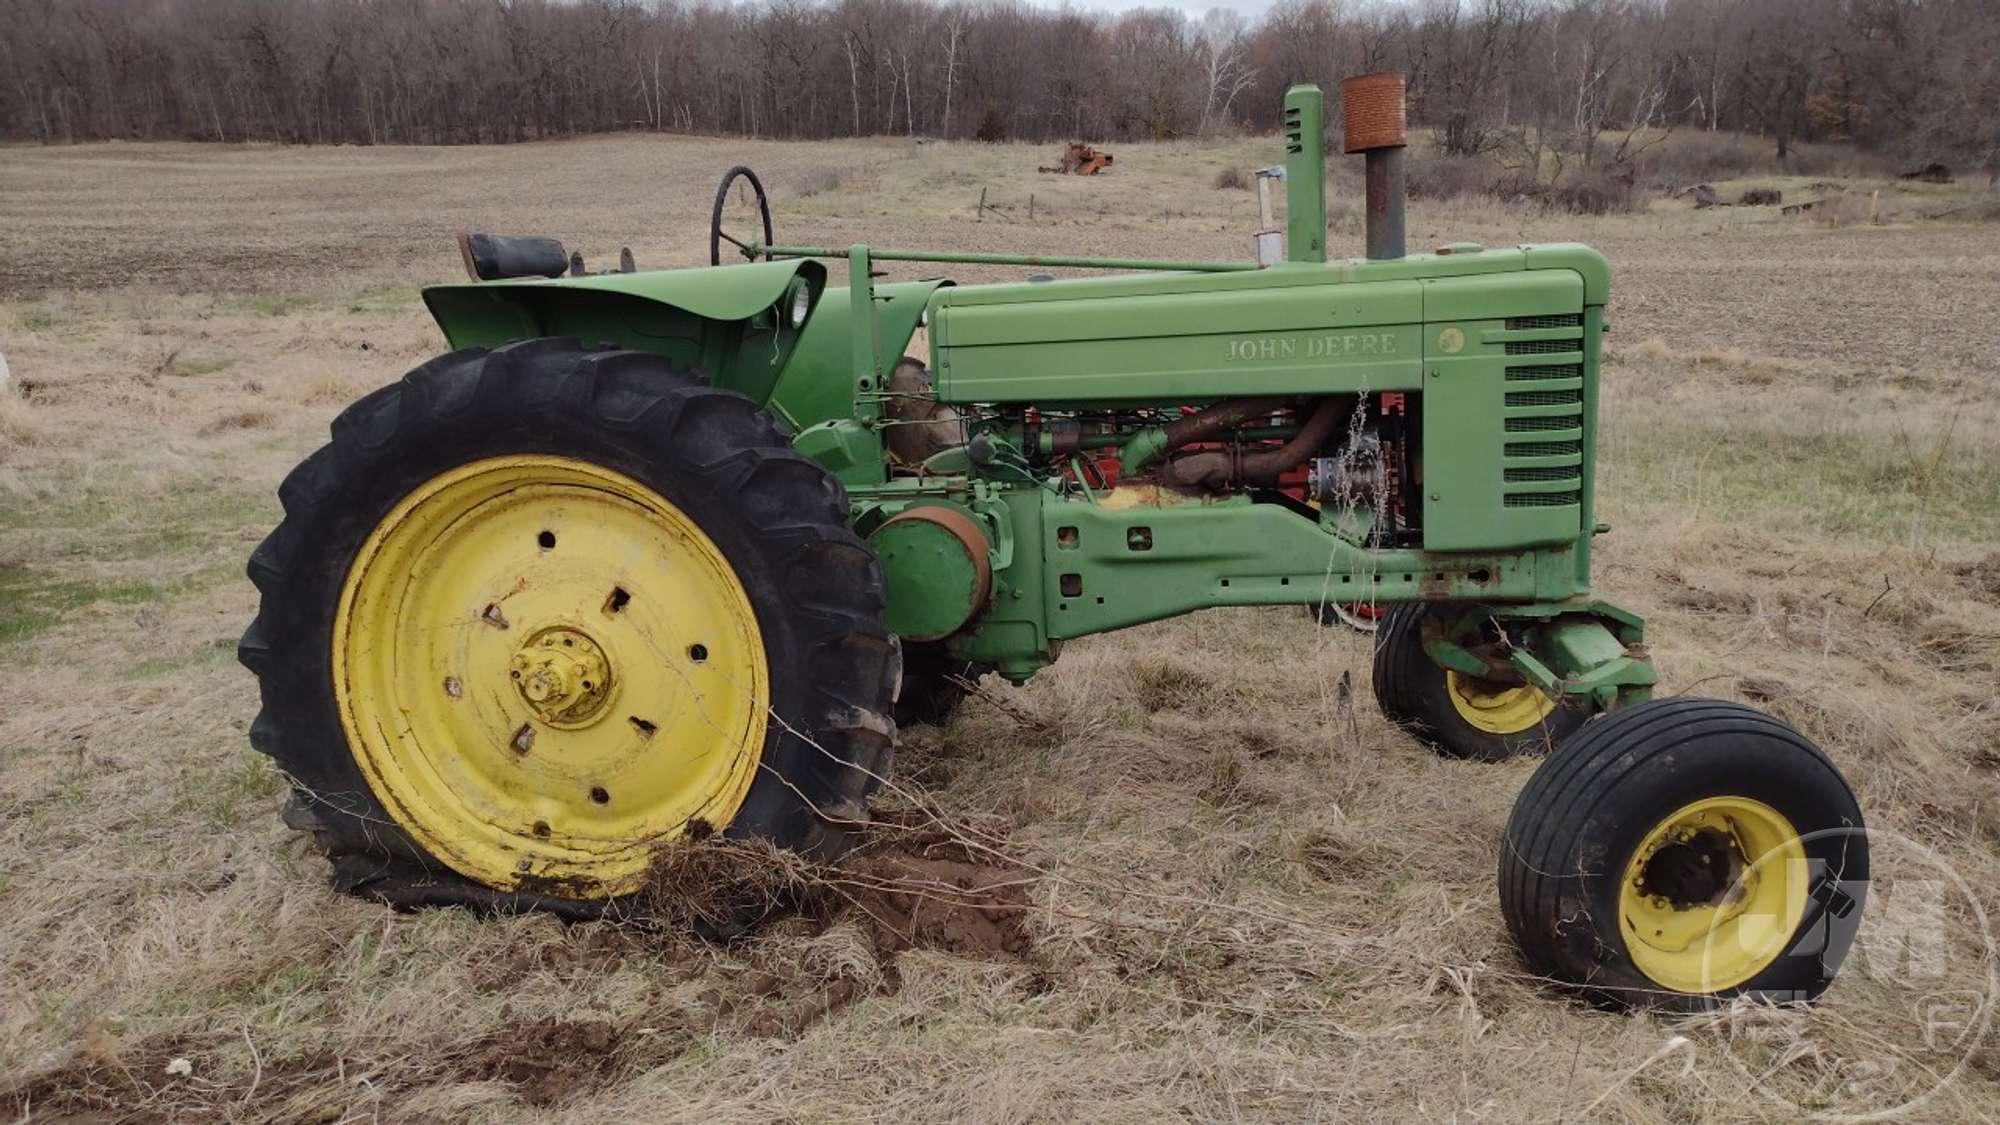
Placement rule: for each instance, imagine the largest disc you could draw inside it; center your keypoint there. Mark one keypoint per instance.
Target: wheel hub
(1713, 894)
(563, 676)
(1497, 708)
(545, 668)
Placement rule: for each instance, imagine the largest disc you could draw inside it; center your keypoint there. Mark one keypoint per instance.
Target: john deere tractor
(651, 556)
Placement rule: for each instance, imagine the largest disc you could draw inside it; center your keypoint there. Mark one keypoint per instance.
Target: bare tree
(954, 27)
(1225, 57)
(1541, 80)
(1462, 47)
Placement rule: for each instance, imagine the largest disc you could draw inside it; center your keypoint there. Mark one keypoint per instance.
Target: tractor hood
(733, 322)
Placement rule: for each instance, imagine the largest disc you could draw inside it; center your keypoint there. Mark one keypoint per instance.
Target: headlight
(802, 300)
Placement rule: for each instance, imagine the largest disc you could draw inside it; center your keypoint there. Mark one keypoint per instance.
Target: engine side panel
(1209, 339)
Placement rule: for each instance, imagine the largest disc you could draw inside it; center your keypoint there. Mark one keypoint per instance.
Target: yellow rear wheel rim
(543, 668)
(1713, 894)
(1497, 708)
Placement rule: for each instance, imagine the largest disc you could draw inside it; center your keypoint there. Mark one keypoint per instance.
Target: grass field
(1249, 897)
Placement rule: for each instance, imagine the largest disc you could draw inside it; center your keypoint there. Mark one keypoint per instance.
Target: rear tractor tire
(1456, 715)
(1682, 853)
(533, 611)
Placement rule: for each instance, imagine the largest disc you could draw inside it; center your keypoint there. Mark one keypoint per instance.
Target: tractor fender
(733, 322)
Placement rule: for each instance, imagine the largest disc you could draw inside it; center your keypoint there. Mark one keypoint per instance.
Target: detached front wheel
(535, 611)
(1682, 853)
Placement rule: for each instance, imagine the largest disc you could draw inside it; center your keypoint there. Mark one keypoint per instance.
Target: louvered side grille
(1545, 371)
(1545, 398)
(1545, 449)
(1559, 320)
(1541, 347)
(1556, 472)
(1540, 425)
(1543, 467)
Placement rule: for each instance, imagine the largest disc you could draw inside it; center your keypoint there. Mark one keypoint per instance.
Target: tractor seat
(490, 257)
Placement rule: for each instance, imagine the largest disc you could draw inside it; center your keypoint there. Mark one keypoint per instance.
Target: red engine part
(1102, 466)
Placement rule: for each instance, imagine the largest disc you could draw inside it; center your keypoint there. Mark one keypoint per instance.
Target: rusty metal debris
(1080, 159)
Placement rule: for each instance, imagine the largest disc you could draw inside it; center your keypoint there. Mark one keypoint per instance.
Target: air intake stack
(1305, 174)
(1371, 109)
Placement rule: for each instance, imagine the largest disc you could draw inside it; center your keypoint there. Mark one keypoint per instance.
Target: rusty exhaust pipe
(1221, 470)
(1372, 111)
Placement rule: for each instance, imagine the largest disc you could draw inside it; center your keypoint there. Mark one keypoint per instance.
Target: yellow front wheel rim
(1496, 708)
(1713, 894)
(543, 668)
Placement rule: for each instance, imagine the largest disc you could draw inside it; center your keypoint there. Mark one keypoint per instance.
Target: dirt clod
(910, 901)
(816, 937)
(547, 1059)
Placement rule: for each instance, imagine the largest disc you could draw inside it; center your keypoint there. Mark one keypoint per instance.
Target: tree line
(1919, 78)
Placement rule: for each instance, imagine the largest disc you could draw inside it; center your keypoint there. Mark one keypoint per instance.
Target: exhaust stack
(1371, 109)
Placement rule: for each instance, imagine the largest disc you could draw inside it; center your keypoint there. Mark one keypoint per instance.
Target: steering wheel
(717, 236)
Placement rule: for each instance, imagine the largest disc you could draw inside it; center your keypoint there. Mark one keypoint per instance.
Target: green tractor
(652, 556)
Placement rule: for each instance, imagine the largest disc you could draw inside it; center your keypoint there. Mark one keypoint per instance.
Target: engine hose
(1219, 470)
(1148, 445)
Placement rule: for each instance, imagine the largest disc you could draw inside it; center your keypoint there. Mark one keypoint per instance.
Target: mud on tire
(777, 517)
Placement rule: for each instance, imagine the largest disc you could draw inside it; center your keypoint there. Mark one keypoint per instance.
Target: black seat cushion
(489, 257)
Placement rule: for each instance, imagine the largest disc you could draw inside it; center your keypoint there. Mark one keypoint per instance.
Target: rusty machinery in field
(654, 555)
(1079, 159)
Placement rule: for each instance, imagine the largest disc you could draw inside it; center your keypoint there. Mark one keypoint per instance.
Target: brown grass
(1239, 893)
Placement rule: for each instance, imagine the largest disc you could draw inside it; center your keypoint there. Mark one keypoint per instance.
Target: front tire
(1456, 715)
(1682, 853)
(533, 611)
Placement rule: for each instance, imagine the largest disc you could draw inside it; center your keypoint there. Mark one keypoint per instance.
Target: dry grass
(20, 425)
(1248, 896)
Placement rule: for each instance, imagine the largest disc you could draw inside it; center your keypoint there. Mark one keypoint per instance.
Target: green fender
(818, 385)
(733, 322)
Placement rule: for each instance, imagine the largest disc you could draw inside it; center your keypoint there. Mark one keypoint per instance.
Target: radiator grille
(1560, 320)
(1553, 392)
(1559, 472)
(1541, 347)
(1541, 499)
(1545, 398)
(1545, 371)
(1545, 449)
